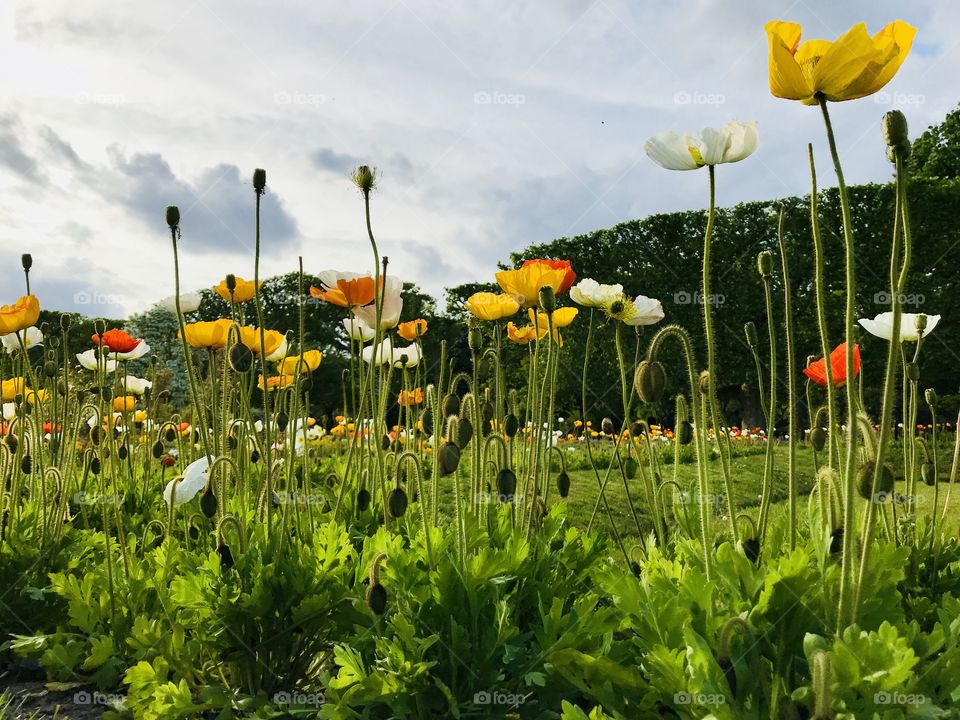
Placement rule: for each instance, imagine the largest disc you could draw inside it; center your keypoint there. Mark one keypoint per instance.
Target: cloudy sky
(494, 124)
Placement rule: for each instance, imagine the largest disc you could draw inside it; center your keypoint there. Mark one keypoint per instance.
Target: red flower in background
(568, 280)
(117, 341)
(817, 371)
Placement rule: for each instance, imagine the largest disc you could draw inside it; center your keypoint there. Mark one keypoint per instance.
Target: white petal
(743, 140)
(194, 480)
(713, 145)
(670, 151)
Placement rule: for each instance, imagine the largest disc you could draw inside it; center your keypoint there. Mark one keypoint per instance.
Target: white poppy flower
(329, 278)
(189, 302)
(590, 293)
(358, 330)
(135, 385)
(645, 311)
(882, 325)
(194, 480)
(9, 411)
(732, 143)
(280, 352)
(381, 355)
(391, 307)
(90, 361)
(138, 352)
(406, 357)
(30, 337)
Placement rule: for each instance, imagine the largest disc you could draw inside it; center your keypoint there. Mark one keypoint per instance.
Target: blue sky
(495, 125)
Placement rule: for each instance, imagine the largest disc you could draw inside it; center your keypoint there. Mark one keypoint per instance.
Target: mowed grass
(747, 481)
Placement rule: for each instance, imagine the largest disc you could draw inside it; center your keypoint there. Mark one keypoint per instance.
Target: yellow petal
(843, 63)
(899, 35)
(786, 78)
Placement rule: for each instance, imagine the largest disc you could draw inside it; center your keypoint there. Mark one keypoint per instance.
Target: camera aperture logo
(296, 698)
(686, 698)
(698, 298)
(499, 698)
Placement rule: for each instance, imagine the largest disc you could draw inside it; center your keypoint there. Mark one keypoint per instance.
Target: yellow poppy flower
(207, 334)
(524, 284)
(245, 290)
(9, 389)
(19, 316)
(272, 340)
(300, 364)
(276, 381)
(491, 306)
(523, 335)
(853, 66)
(124, 403)
(37, 396)
(561, 317)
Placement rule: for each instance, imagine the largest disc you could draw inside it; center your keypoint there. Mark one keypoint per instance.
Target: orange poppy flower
(817, 371)
(413, 329)
(564, 265)
(117, 341)
(349, 292)
(410, 397)
(124, 403)
(276, 381)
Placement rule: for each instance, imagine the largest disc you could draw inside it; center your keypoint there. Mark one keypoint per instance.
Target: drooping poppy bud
(506, 484)
(650, 380)
(397, 502)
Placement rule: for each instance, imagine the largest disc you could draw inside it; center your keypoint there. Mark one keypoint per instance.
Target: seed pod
(928, 474)
(226, 557)
(650, 380)
(818, 438)
(751, 549)
(426, 419)
(685, 432)
(563, 484)
(450, 405)
(157, 449)
(255, 456)
(511, 425)
(464, 433)
(397, 502)
(930, 395)
(95, 466)
(377, 599)
(241, 358)
(26, 465)
(630, 468)
(122, 452)
(208, 503)
(607, 426)
(913, 372)
(765, 263)
(865, 481)
(363, 499)
(449, 458)
(506, 484)
(282, 421)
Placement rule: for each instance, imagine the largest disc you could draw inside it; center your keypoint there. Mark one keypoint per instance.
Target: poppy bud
(750, 330)
(630, 468)
(685, 432)
(95, 466)
(123, 452)
(928, 474)
(231, 443)
(705, 382)
(50, 369)
(96, 435)
(650, 380)
(548, 300)
(486, 416)
(363, 499)
(282, 421)
(506, 484)
(426, 419)
(765, 263)
(913, 372)
(173, 216)
(365, 178)
(397, 502)
(930, 395)
(511, 425)
(208, 503)
(259, 179)
(170, 434)
(226, 557)
(27, 261)
(255, 456)
(474, 339)
(157, 449)
(836, 541)
(241, 359)
(636, 429)
(920, 322)
(896, 135)
(26, 464)
(167, 461)
(865, 481)
(464, 433)
(449, 458)
(563, 484)
(607, 426)
(385, 442)
(450, 405)
(751, 548)
(65, 321)
(231, 282)
(818, 438)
